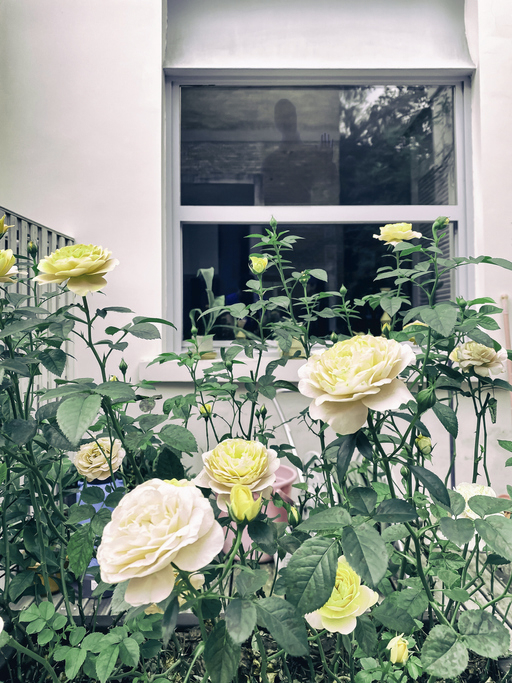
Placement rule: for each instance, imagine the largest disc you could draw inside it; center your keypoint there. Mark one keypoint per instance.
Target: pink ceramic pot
(285, 477)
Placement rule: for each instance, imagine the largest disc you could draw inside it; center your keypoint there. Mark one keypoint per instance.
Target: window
(331, 163)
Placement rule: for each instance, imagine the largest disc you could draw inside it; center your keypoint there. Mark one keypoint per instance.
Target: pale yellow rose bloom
(468, 490)
(423, 444)
(393, 233)
(206, 409)
(399, 649)
(7, 268)
(481, 358)
(238, 461)
(196, 580)
(92, 460)
(352, 376)
(243, 507)
(82, 265)
(347, 602)
(258, 264)
(156, 525)
(3, 227)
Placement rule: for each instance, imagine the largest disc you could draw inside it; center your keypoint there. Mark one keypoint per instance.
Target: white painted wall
(81, 133)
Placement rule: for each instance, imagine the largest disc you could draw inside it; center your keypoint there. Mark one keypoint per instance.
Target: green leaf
(148, 422)
(129, 652)
(45, 636)
(347, 445)
(170, 619)
(100, 521)
(264, 534)
(3, 472)
(457, 502)
(36, 626)
(484, 633)
(54, 360)
(117, 392)
(497, 533)
(14, 365)
(179, 438)
(485, 505)
(46, 610)
(432, 483)
(393, 616)
(333, 519)
(443, 655)
(74, 660)
(395, 532)
(442, 318)
(92, 495)
(106, 662)
(391, 304)
(457, 594)
(458, 531)
(19, 326)
(169, 466)
(447, 418)
(366, 552)
(56, 439)
(80, 550)
(76, 414)
(319, 274)
(393, 510)
(362, 499)
(248, 582)
(311, 573)
(144, 331)
(240, 619)
(77, 635)
(221, 654)
(507, 445)
(285, 624)
(366, 635)
(21, 431)
(93, 642)
(31, 613)
(19, 584)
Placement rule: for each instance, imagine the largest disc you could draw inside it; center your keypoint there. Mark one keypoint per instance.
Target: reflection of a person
(296, 173)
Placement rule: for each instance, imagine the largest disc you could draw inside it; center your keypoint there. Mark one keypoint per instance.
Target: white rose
(92, 460)
(481, 358)
(468, 490)
(156, 524)
(238, 461)
(352, 376)
(393, 233)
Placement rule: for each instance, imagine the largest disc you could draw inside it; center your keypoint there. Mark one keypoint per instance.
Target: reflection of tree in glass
(391, 139)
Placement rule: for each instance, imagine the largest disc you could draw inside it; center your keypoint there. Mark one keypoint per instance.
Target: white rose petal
(96, 460)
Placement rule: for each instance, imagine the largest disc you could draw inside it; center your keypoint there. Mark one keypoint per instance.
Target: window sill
(171, 372)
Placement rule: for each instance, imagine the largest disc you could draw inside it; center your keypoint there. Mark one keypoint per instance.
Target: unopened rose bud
(343, 290)
(3, 227)
(262, 412)
(423, 444)
(399, 649)
(258, 264)
(113, 378)
(32, 248)
(293, 516)
(193, 330)
(334, 337)
(123, 366)
(243, 508)
(440, 222)
(206, 410)
(304, 277)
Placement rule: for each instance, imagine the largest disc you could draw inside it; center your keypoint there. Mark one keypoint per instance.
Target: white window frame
(177, 215)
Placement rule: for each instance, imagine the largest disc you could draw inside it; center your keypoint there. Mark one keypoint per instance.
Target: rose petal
(344, 418)
(390, 397)
(152, 588)
(192, 557)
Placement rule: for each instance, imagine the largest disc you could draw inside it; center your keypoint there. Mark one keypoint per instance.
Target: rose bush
(82, 265)
(98, 459)
(154, 525)
(238, 461)
(348, 601)
(352, 376)
(393, 233)
(482, 359)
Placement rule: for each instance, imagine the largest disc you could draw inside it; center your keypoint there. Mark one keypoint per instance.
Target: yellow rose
(482, 359)
(82, 265)
(7, 267)
(243, 508)
(468, 490)
(347, 602)
(92, 460)
(393, 233)
(352, 376)
(155, 526)
(237, 461)
(258, 264)
(399, 649)
(423, 444)
(206, 410)
(3, 227)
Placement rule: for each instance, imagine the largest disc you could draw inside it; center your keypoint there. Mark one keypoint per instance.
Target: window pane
(348, 253)
(323, 146)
